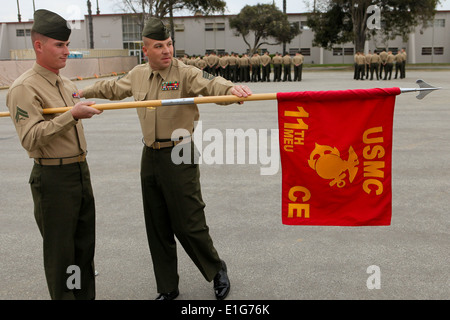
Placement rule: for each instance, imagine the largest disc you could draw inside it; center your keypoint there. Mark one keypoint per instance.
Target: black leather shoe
(221, 283)
(168, 296)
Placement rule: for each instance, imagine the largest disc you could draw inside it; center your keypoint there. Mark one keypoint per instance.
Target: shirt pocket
(141, 96)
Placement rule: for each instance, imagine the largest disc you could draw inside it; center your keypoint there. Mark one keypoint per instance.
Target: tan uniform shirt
(403, 56)
(368, 58)
(265, 59)
(201, 64)
(223, 61)
(383, 56)
(375, 59)
(297, 60)
(361, 59)
(50, 135)
(255, 61)
(277, 60)
(390, 58)
(175, 82)
(244, 61)
(212, 60)
(287, 60)
(232, 60)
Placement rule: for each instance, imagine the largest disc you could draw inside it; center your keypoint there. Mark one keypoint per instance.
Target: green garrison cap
(51, 25)
(155, 29)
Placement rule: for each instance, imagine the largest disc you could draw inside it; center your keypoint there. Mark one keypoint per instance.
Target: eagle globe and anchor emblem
(328, 164)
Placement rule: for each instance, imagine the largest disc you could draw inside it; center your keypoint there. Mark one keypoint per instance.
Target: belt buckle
(157, 145)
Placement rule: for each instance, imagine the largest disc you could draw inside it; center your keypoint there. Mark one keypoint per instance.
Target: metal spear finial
(424, 89)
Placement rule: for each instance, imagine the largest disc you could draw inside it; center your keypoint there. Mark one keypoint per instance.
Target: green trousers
(173, 207)
(64, 210)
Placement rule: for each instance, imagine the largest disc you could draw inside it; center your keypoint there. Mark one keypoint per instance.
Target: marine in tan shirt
(45, 135)
(255, 62)
(265, 66)
(233, 66)
(223, 66)
(244, 68)
(171, 191)
(297, 61)
(287, 62)
(389, 66)
(374, 65)
(60, 183)
(277, 61)
(383, 58)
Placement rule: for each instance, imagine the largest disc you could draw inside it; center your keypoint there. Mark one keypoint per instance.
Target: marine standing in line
(265, 65)
(244, 66)
(374, 65)
(277, 61)
(383, 58)
(389, 66)
(297, 60)
(255, 62)
(287, 62)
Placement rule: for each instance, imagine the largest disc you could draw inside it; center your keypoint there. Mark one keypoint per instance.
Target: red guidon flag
(336, 157)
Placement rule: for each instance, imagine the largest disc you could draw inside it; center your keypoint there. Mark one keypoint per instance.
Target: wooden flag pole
(426, 88)
(168, 102)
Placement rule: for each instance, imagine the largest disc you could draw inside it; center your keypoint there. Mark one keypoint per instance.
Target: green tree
(265, 22)
(341, 21)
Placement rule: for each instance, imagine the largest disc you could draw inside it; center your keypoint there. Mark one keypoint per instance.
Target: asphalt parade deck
(266, 260)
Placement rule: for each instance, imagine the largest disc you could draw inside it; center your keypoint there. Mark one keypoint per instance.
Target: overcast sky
(76, 9)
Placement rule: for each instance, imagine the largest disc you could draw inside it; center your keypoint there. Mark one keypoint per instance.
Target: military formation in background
(379, 64)
(243, 68)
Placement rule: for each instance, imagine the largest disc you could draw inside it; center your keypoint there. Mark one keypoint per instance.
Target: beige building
(118, 34)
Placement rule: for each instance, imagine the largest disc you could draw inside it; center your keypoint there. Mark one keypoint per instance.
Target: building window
(337, 51)
(293, 51)
(393, 50)
(304, 25)
(133, 45)
(215, 26)
(438, 23)
(426, 51)
(305, 51)
(179, 27)
(23, 32)
(131, 30)
(438, 50)
(349, 51)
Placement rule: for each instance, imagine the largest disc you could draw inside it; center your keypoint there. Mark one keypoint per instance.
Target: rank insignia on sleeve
(21, 114)
(169, 85)
(208, 76)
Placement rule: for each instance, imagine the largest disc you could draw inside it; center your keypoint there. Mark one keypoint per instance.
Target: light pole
(91, 31)
(18, 12)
